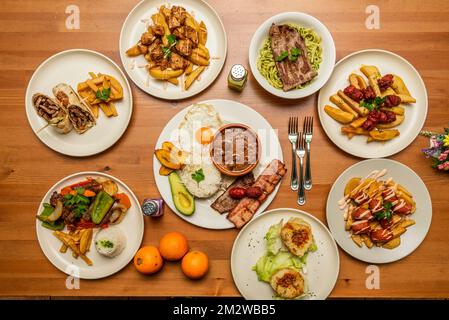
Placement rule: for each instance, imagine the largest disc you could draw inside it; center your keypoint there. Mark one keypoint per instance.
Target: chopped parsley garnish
(386, 213)
(167, 52)
(171, 39)
(103, 94)
(372, 104)
(198, 176)
(106, 244)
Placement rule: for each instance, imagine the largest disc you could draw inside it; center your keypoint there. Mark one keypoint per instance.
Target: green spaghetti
(266, 64)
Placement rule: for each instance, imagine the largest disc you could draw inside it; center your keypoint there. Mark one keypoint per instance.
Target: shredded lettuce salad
(277, 256)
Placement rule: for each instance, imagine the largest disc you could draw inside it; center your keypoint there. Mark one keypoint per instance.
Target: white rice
(110, 241)
(205, 188)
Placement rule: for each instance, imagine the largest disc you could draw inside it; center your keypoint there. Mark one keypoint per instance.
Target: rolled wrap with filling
(79, 114)
(53, 112)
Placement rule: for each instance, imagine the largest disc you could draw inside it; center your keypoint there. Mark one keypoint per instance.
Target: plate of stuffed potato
(374, 104)
(379, 210)
(173, 50)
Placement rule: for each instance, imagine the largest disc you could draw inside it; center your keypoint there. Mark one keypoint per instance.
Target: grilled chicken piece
(157, 54)
(147, 38)
(177, 17)
(177, 62)
(191, 34)
(163, 64)
(184, 47)
(158, 30)
(180, 33)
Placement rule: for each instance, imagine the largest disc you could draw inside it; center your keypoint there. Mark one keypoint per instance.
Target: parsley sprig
(103, 94)
(198, 176)
(387, 213)
(292, 56)
(172, 41)
(373, 104)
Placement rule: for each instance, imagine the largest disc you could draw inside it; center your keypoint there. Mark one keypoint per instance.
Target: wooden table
(31, 31)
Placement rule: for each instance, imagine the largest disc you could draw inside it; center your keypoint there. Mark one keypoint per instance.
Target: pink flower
(443, 156)
(444, 166)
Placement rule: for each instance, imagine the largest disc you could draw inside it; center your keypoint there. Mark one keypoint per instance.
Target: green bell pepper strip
(102, 203)
(53, 225)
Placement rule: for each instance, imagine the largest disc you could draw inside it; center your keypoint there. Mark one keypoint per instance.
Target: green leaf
(379, 101)
(80, 190)
(294, 54)
(171, 39)
(103, 94)
(167, 52)
(282, 56)
(198, 176)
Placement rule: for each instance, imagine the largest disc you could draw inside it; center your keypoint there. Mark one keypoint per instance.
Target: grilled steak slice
(224, 203)
(267, 181)
(292, 73)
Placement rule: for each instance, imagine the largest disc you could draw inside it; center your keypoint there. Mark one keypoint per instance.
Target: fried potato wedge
(399, 110)
(357, 123)
(362, 111)
(351, 185)
(399, 86)
(192, 77)
(398, 231)
(165, 74)
(338, 114)
(357, 81)
(338, 101)
(393, 243)
(407, 223)
(383, 135)
(354, 131)
(164, 171)
(367, 240)
(202, 33)
(406, 98)
(357, 240)
(134, 51)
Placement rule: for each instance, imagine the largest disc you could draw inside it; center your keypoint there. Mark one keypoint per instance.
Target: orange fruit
(148, 260)
(195, 264)
(173, 246)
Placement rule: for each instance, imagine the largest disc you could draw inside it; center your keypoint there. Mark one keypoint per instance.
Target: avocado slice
(184, 201)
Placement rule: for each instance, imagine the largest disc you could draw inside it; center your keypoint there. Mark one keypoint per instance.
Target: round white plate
(72, 67)
(230, 112)
(409, 240)
(328, 54)
(322, 266)
(415, 114)
(134, 26)
(132, 225)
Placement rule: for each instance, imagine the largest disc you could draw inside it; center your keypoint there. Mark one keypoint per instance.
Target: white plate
(409, 240)
(415, 114)
(322, 266)
(328, 53)
(134, 26)
(72, 67)
(230, 112)
(132, 225)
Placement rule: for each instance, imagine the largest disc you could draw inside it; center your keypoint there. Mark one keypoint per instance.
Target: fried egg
(197, 130)
(288, 283)
(297, 236)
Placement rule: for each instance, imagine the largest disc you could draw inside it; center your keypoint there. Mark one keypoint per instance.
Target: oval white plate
(409, 240)
(328, 54)
(230, 112)
(322, 266)
(134, 26)
(132, 225)
(72, 67)
(415, 114)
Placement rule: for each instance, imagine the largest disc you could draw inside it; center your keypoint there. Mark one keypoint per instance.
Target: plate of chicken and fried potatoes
(173, 50)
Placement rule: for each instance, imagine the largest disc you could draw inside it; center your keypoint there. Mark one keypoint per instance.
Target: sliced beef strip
(292, 74)
(224, 203)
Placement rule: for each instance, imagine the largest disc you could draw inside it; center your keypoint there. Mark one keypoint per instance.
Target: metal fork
(293, 137)
(300, 152)
(308, 132)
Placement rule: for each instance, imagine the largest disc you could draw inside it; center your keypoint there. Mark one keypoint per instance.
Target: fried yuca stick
(72, 245)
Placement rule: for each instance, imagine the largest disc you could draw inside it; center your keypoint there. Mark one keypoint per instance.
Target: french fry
(204, 50)
(373, 74)
(357, 123)
(357, 240)
(72, 245)
(398, 231)
(85, 240)
(174, 81)
(338, 114)
(189, 69)
(399, 86)
(198, 60)
(367, 240)
(202, 33)
(355, 131)
(349, 222)
(134, 51)
(343, 105)
(195, 73)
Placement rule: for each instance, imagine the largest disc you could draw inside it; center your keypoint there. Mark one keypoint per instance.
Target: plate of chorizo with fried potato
(173, 51)
(374, 104)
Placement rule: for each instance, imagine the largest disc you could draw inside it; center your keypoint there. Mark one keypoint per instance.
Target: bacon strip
(267, 181)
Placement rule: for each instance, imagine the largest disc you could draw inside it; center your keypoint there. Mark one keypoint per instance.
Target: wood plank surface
(31, 31)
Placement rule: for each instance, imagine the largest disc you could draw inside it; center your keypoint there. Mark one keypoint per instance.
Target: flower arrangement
(438, 150)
